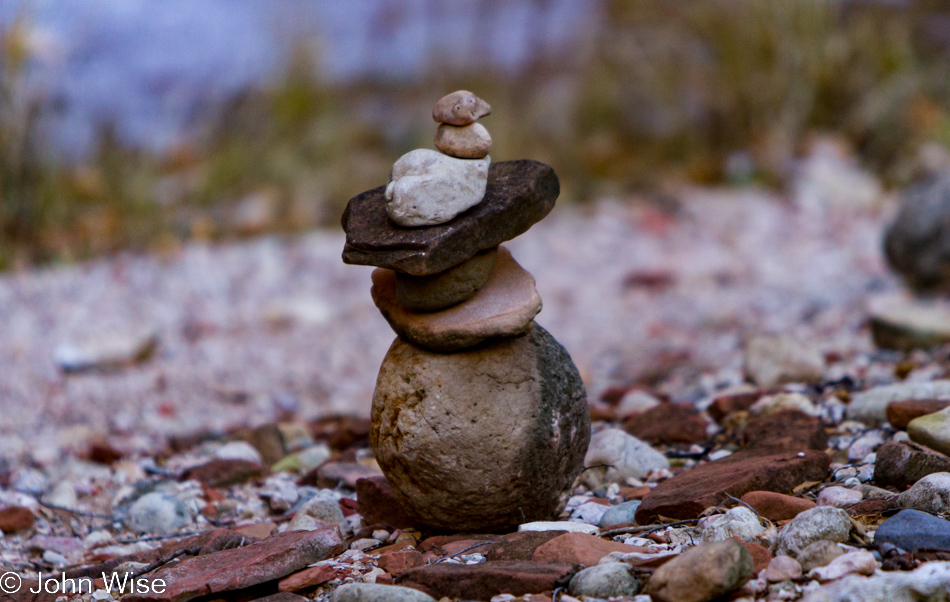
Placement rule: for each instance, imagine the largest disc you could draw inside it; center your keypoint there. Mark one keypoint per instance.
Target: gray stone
(905, 324)
(519, 193)
(604, 581)
(702, 573)
(463, 141)
(932, 430)
(824, 522)
(482, 439)
(504, 307)
(839, 497)
(377, 592)
(320, 511)
(448, 288)
(737, 522)
(930, 494)
(914, 530)
(106, 350)
(614, 456)
(621, 513)
(158, 513)
(818, 554)
(930, 582)
(917, 242)
(427, 187)
(460, 108)
(776, 360)
(870, 406)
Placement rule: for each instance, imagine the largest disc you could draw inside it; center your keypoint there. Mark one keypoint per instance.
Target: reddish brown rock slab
(340, 431)
(267, 560)
(376, 504)
(690, 492)
(900, 464)
(900, 413)
(258, 530)
(307, 578)
(668, 423)
(520, 545)
(223, 472)
(397, 563)
(488, 579)
(761, 556)
(15, 518)
(724, 405)
(519, 194)
(786, 430)
(504, 307)
(580, 548)
(777, 506)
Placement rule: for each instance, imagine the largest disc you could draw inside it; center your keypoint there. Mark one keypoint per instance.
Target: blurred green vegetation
(667, 90)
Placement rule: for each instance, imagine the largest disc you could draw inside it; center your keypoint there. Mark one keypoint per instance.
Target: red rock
(395, 547)
(724, 405)
(668, 423)
(397, 563)
(601, 411)
(341, 432)
(690, 492)
(221, 473)
(899, 413)
(777, 506)
(634, 493)
(267, 560)
(520, 545)
(482, 581)
(761, 556)
(15, 518)
(580, 548)
(464, 546)
(787, 430)
(103, 453)
(440, 544)
(613, 395)
(307, 578)
(266, 439)
(258, 530)
(376, 503)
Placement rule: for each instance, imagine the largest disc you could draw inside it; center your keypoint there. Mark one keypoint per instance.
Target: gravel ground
(250, 330)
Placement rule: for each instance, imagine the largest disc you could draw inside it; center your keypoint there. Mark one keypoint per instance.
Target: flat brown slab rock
(900, 413)
(668, 423)
(777, 506)
(580, 548)
(900, 464)
(267, 560)
(689, 493)
(519, 194)
(482, 581)
(786, 430)
(504, 307)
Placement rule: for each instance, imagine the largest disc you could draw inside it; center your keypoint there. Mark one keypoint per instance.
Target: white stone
(929, 494)
(738, 522)
(313, 456)
(571, 527)
(860, 563)
(930, 581)
(590, 513)
(106, 349)
(783, 568)
(617, 456)
(870, 407)
(239, 450)
(428, 188)
(839, 497)
(636, 401)
(321, 510)
(158, 513)
(776, 360)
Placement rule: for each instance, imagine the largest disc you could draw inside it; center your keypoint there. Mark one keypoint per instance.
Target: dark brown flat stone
(488, 579)
(900, 464)
(668, 423)
(520, 193)
(689, 493)
(786, 430)
(900, 413)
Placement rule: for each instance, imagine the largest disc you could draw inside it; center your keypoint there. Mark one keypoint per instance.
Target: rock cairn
(480, 418)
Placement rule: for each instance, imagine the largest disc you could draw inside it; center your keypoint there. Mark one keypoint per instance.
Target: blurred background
(129, 124)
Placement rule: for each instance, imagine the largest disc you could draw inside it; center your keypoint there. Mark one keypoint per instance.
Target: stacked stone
(479, 417)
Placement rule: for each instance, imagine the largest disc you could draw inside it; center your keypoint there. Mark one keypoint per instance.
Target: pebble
(906, 323)
(777, 506)
(590, 512)
(605, 581)
(428, 188)
(463, 141)
(777, 360)
(621, 513)
(930, 581)
(106, 350)
(913, 530)
(524, 395)
(738, 522)
(860, 563)
(448, 288)
(783, 568)
(819, 553)
(771, 404)
(504, 307)
(932, 430)
(702, 573)
(570, 527)
(372, 592)
(460, 108)
(321, 510)
(870, 407)
(158, 513)
(839, 497)
(239, 450)
(900, 413)
(929, 494)
(635, 401)
(614, 456)
(821, 523)
(864, 445)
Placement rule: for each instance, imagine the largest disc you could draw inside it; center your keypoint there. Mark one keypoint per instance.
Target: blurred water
(151, 66)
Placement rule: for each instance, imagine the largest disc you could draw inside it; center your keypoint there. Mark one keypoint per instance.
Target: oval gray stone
(377, 592)
(483, 439)
(609, 580)
(448, 288)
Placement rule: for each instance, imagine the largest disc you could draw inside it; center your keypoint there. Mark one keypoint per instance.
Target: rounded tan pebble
(460, 108)
(463, 141)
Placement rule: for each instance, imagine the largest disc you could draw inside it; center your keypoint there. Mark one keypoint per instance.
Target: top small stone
(460, 108)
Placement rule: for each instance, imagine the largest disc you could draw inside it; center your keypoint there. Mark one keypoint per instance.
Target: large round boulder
(483, 439)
